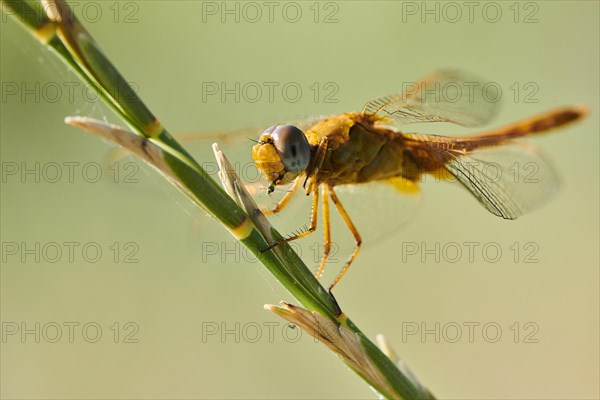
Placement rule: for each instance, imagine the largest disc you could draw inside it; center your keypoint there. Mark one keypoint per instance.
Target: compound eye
(292, 146)
(269, 130)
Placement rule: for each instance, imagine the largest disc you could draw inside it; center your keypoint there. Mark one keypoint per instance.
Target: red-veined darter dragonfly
(368, 146)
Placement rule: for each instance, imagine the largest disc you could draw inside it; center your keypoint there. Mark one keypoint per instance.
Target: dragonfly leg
(285, 199)
(353, 230)
(327, 232)
(315, 165)
(311, 228)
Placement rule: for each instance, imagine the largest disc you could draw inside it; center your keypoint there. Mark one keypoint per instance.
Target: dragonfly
(358, 148)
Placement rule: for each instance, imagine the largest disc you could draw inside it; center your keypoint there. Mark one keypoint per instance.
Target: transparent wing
(453, 96)
(509, 180)
(378, 208)
(237, 145)
(233, 135)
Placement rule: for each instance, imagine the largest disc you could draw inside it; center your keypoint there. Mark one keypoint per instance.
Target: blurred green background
(186, 319)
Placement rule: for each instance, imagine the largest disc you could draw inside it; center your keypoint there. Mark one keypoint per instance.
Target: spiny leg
(317, 162)
(311, 228)
(353, 230)
(285, 199)
(313, 188)
(327, 232)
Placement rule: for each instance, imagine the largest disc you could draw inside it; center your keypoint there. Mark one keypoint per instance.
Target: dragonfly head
(281, 154)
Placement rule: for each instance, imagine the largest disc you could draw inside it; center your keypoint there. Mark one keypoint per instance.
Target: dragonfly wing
(379, 208)
(233, 135)
(508, 180)
(452, 96)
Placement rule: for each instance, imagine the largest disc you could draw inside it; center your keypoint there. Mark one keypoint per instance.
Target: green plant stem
(55, 26)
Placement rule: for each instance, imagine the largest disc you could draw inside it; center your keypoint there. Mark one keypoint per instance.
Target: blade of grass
(55, 26)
